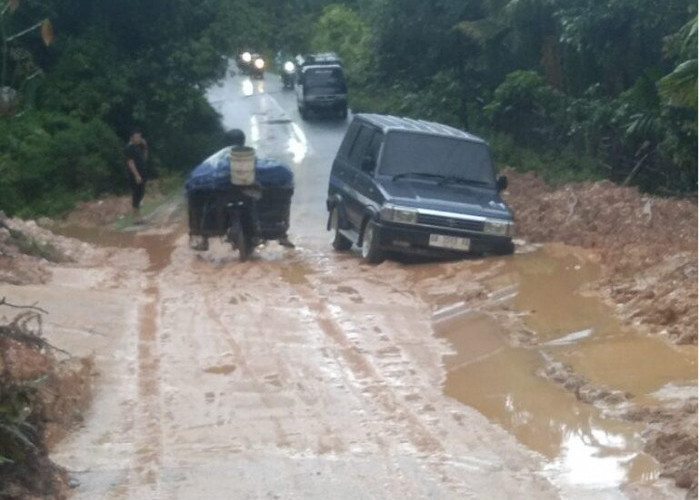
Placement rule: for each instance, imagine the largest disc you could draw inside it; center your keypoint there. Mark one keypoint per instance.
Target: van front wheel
(370, 250)
(340, 242)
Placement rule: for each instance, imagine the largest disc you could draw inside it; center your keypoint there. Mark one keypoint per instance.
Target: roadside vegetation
(42, 393)
(571, 90)
(67, 106)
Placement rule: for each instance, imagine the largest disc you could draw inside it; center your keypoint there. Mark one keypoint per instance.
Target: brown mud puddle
(500, 379)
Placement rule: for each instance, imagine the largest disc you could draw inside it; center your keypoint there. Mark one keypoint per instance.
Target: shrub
(51, 160)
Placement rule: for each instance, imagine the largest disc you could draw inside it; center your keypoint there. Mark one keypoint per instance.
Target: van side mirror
(501, 182)
(367, 164)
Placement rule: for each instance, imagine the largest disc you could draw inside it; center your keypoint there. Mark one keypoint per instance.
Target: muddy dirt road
(307, 374)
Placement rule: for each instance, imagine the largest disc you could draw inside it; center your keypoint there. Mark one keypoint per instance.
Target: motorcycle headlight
(401, 215)
(498, 227)
(289, 66)
(259, 63)
(245, 57)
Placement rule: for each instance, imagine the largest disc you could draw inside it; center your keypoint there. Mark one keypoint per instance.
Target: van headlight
(498, 227)
(400, 215)
(245, 57)
(289, 67)
(259, 63)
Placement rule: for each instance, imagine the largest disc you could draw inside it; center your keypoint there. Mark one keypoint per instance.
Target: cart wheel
(340, 242)
(244, 246)
(370, 250)
(239, 241)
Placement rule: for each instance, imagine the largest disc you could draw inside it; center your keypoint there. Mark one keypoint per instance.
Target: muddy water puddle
(159, 246)
(548, 288)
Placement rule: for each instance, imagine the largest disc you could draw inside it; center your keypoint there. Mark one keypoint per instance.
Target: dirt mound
(26, 248)
(41, 397)
(671, 436)
(648, 245)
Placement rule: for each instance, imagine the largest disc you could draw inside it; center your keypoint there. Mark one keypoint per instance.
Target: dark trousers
(137, 191)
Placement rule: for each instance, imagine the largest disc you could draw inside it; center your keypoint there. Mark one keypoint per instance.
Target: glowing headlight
(289, 66)
(246, 57)
(259, 63)
(401, 215)
(498, 227)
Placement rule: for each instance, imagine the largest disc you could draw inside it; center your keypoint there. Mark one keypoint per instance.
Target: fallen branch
(20, 330)
(4, 302)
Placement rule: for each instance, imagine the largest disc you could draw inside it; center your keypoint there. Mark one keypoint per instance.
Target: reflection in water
(500, 380)
(254, 132)
(584, 461)
(298, 144)
(247, 87)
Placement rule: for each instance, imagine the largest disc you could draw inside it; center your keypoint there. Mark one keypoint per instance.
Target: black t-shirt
(135, 152)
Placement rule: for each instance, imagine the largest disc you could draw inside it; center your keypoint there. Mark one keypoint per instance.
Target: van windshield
(416, 153)
(325, 79)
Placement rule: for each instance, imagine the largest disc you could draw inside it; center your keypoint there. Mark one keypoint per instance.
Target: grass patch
(554, 167)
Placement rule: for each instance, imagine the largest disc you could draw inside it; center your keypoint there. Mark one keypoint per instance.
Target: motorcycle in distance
(257, 68)
(289, 75)
(244, 62)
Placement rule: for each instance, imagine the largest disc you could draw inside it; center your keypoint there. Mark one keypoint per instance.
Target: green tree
(341, 30)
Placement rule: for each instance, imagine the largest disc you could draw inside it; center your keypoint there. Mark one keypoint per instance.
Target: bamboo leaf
(680, 87)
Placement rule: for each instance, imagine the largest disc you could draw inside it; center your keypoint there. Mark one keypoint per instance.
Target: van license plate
(452, 242)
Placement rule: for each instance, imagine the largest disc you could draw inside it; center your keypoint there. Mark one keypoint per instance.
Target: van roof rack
(388, 123)
(320, 58)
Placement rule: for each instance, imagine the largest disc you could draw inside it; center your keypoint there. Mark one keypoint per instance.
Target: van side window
(349, 140)
(375, 145)
(361, 146)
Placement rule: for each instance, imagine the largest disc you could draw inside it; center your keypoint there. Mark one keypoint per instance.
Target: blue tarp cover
(215, 173)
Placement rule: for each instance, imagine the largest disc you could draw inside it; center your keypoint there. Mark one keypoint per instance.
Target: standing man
(136, 152)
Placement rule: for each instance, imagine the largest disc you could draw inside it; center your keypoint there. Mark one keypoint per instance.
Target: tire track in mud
(258, 384)
(368, 387)
(430, 449)
(149, 434)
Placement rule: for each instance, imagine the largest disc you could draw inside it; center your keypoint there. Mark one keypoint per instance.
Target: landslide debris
(26, 249)
(648, 248)
(41, 398)
(648, 245)
(671, 436)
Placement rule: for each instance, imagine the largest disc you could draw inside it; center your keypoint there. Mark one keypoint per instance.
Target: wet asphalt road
(268, 115)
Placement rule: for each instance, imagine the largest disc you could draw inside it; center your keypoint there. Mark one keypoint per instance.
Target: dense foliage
(573, 88)
(114, 66)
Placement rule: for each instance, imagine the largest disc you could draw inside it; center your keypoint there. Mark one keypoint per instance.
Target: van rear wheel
(370, 250)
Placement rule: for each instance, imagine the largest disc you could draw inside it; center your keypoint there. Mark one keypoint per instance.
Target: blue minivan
(412, 186)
